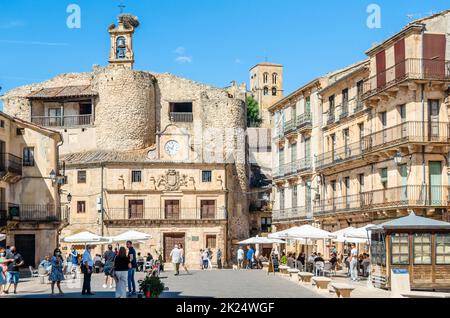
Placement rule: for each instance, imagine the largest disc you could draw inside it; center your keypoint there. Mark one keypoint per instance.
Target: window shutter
(384, 175)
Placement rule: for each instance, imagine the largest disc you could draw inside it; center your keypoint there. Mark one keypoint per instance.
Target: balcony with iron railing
(37, 213)
(180, 117)
(63, 121)
(339, 155)
(304, 121)
(291, 214)
(159, 214)
(298, 167)
(289, 126)
(407, 132)
(10, 164)
(409, 69)
(408, 196)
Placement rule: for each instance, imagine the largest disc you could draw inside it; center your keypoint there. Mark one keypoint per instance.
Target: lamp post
(398, 158)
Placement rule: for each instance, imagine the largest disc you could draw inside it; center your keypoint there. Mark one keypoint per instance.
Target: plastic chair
(33, 272)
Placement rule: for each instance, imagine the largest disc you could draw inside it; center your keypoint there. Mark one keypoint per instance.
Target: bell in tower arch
(121, 47)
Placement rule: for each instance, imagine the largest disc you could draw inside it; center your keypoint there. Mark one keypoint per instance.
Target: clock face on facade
(172, 147)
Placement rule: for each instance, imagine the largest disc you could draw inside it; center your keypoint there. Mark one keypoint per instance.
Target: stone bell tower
(121, 51)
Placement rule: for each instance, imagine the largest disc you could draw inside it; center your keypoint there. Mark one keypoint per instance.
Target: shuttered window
(384, 177)
(208, 209)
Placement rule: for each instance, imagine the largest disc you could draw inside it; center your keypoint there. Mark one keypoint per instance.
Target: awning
(261, 240)
(303, 232)
(362, 233)
(86, 238)
(2, 237)
(131, 236)
(412, 222)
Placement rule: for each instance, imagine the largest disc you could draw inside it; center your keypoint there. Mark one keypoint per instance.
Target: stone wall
(125, 111)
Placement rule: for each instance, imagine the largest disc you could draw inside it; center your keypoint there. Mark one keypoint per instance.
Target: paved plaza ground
(205, 284)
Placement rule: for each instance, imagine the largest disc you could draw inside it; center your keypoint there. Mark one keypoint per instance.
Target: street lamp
(398, 158)
(69, 198)
(53, 175)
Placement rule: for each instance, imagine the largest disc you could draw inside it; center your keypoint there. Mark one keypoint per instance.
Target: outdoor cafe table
(321, 282)
(305, 276)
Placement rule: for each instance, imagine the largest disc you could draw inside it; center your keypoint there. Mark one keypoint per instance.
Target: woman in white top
(354, 263)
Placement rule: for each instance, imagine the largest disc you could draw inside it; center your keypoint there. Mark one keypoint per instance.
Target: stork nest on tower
(129, 21)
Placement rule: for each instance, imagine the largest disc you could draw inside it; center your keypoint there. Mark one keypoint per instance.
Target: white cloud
(35, 43)
(10, 24)
(179, 50)
(184, 59)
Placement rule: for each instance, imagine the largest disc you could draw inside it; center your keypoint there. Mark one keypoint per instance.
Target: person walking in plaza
(87, 265)
(57, 272)
(132, 270)
(354, 263)
(3, 270)
(219, 258)
(15, 261)
(210, 256)
(175, 255)
(201, 259)
(250, 254)
(109, 257)
(240, 257)
(121, 265)
(183, 258)
(205, 258)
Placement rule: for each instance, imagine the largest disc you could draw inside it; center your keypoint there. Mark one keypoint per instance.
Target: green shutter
(384, 175)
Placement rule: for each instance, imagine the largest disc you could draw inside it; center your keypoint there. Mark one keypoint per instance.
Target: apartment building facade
(31, 214)
(382, 142)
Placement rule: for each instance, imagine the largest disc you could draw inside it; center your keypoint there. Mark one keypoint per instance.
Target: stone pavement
(205, 284)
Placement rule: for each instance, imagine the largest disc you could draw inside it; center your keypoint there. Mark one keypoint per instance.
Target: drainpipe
(58, 197)
(422, 98)
(101, 202)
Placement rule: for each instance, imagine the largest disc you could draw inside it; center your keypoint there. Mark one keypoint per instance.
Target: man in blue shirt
(132, 270)
(86, 267)
(250, 254)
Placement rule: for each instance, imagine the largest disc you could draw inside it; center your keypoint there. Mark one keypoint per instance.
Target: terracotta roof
(99, 156)
(63, 92)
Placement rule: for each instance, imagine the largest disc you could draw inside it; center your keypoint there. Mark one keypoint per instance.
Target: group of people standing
(250, 257)
(119, 266)
(206, 256)
(10, 263)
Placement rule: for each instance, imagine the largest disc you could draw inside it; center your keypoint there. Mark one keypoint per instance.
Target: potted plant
(151, 286)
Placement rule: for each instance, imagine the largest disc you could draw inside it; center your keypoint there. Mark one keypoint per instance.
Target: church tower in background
(266, 86)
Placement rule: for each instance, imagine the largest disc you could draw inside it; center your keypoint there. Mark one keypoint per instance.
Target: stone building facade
(382, 139)
(151, 152)
(30, 212)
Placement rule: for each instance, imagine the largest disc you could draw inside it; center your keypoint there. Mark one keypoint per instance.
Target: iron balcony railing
(339, 155)
(292, 168)
(396, 197)
(412, 68)
(297, 213)
(289, 126)
(304, 121)
(37, 213)
(359, 106)
(63, 121)
(128, 214)
(344, 110)
(331, 118)
(10, 163)
(407, 132)
(181, 117)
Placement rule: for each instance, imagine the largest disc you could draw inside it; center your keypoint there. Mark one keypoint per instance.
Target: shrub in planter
(151, 286)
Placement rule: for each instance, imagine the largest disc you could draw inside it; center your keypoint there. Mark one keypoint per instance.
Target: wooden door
(435, 168)
(172, 209)
(381, 69)
(26, 246)
(169, 241)
(434, 55)
(399, 52)
(136, 209)
(208, 209)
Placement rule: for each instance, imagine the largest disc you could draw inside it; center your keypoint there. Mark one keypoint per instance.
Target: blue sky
(211, 41)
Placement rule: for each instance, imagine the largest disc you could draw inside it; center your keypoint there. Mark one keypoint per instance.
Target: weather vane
(121, 6)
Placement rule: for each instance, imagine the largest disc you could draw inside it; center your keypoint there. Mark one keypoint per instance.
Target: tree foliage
(253, 117)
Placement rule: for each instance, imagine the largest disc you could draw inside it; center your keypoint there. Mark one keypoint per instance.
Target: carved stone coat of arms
(172, 181)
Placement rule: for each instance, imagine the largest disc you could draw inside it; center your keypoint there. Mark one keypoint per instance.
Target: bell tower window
(121, 47)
